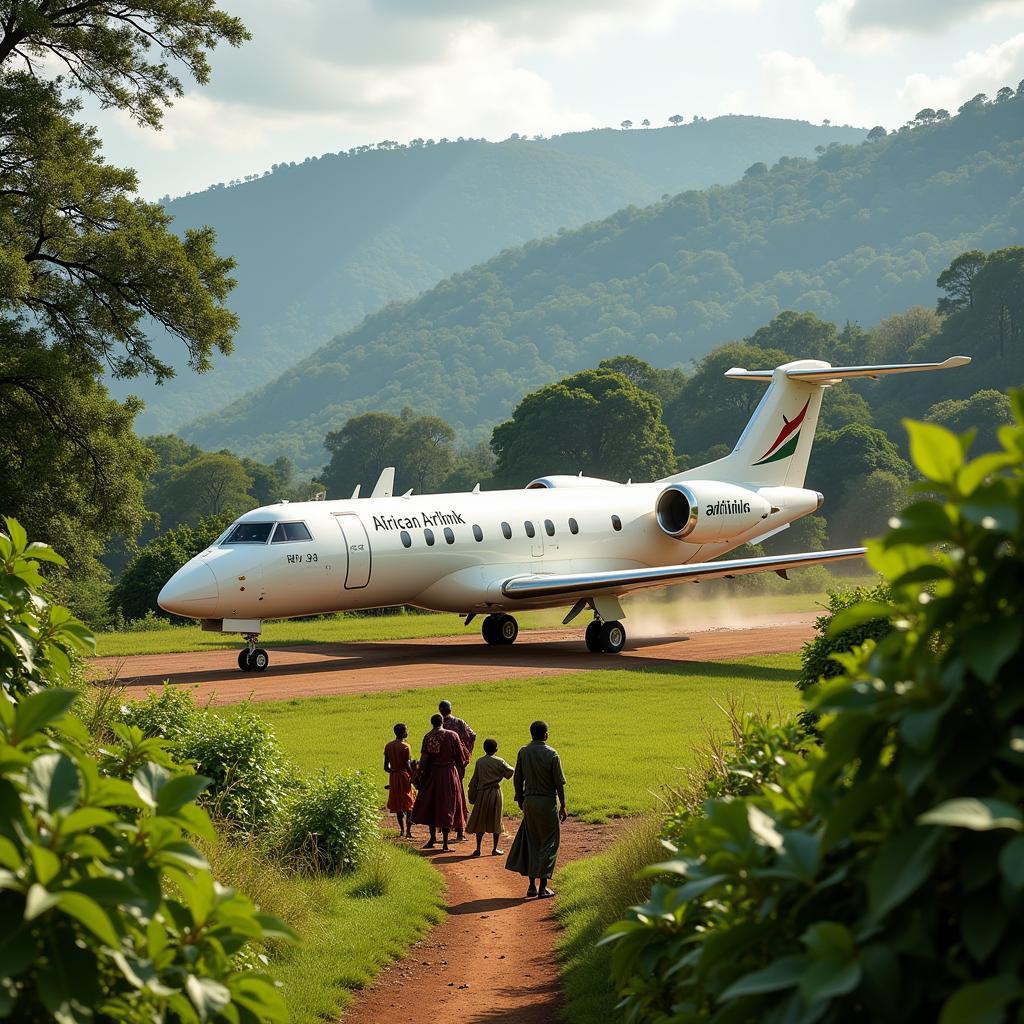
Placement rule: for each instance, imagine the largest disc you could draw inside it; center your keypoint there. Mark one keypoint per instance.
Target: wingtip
(957, 361)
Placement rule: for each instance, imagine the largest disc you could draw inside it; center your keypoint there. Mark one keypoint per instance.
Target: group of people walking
(429, 791)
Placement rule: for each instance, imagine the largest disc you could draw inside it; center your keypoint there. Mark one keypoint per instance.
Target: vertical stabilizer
(775, 445)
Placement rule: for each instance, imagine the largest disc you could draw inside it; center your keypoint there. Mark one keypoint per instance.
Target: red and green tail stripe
(785, 444)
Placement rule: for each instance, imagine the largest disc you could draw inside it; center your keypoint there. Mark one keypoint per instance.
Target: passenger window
(290, 532)
(616, 523)
(478, 533)
(549, 527)
(428, 535)
(507, 531)
(406, 539)
(448, 535)
(574, 527)
(530, 529)
(249, 533)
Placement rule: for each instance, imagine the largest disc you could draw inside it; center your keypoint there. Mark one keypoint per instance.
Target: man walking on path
(439, 802)
(468, 737)
(539, 782)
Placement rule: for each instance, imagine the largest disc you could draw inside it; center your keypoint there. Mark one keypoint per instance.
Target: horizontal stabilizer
(625, 581)
(834, 374)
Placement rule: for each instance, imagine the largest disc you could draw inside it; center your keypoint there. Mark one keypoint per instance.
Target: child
(485, 796)
(398, 764)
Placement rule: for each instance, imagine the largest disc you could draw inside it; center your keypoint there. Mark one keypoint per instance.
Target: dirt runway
(327, 669)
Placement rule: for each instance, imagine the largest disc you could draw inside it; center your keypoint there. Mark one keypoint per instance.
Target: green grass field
(622, 734)
(405, 626)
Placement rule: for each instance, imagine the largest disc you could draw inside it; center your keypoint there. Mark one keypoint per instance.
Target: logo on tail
(785, 444)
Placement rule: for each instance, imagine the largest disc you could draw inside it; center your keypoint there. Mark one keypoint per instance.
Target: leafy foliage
(857, 234)
(109, 911)
(880, 873)
(331, 822)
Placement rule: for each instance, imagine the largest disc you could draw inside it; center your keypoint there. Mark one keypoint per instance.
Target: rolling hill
(322, 243)
(861, 232)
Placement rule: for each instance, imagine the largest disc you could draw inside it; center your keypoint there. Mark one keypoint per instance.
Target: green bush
(168, 715)
(817, 658)
(880, 874)
(331, 823)
(109, 912)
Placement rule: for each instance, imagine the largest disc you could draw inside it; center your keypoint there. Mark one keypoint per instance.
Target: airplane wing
(626, 581)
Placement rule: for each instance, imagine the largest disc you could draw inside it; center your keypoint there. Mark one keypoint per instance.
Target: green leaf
(86, 818)
(900, 868)
(982, 926)
(982, 1002)
(851, 618)
(38, 901)
(37, 711)
(9, 855)
(149, 780)
(979, 815)
(826, 979)
(208, 996)
(1011, 862)
(988, 647)
(828, 940)
(978, 470)
(17, 950)
(781, 974)
(937, 452)
(53, 781)
(181, 790)
(90, 914)
(273, 928)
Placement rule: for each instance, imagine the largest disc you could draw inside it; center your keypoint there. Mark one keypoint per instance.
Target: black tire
(507, 629)
(489, 629)
(259, 660)
(243, 659)
(593, 637)
(613, 637)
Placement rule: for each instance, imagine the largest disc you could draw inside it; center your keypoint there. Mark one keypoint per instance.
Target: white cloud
(872, 25)
(986, 71)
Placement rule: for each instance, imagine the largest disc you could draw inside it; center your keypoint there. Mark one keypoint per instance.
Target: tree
(666, 384)
(876, 133)
(998, 291)
(865, 506)
(803, 333)
(676, 119)
(646, 122)
(957, 281)
(134, 593)
(212, 484)
(595, 421)
(984, 412)
(626, 124)
(892, 340)
(1004, 94)
(756, 170)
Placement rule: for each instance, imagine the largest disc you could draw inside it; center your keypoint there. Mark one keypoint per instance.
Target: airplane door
(357, 548)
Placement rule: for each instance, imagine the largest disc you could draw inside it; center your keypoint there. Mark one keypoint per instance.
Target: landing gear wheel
(259, 660)
(613, 637)
(508, 629)
(593, 637)
(489, 629)
(243, 659)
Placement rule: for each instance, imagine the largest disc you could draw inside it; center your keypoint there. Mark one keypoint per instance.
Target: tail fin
(775, 445)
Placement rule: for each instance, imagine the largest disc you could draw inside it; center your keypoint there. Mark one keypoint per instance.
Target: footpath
(493, 958)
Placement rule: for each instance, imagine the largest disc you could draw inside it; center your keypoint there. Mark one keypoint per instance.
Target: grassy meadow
(622, 734)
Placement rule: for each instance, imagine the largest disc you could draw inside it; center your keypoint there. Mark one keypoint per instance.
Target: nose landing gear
(500, 629)
(605, 637)
(252, 658)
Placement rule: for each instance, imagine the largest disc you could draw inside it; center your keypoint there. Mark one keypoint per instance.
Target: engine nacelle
(570, 481)
(704, 511)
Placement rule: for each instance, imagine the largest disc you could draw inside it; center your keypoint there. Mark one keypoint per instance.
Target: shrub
(879, 875)
(817, 658)
(108, 910)
(168, 715)
(331, 823)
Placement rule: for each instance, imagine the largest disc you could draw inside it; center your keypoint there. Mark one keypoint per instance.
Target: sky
(321, 76)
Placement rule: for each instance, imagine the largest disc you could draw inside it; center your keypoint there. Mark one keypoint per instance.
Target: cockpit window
(290, 531)
(249, 533)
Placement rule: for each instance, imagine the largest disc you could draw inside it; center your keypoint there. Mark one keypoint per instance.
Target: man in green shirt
(540, 792)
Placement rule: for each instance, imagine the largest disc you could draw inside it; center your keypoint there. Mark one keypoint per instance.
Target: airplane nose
(192, 591)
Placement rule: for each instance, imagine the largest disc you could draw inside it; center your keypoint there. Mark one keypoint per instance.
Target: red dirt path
(492, 960)
(319, 670)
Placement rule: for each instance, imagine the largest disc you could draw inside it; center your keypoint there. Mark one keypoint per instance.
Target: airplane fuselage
(452, 552)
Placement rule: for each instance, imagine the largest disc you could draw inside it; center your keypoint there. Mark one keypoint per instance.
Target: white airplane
(563, 540)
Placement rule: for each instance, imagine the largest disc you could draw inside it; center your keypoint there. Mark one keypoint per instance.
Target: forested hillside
(322, 243)
(859, 233)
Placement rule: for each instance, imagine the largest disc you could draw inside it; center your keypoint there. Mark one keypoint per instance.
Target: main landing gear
(252, 658)
(500, 629)
(605, 637)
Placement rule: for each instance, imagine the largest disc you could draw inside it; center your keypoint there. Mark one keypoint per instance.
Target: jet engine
(704, 511)
(570, 481)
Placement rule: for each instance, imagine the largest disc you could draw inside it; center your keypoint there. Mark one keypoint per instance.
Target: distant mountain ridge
(323, 243)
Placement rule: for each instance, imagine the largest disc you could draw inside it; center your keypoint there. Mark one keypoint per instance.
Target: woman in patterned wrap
(398, 764)
(439, 802)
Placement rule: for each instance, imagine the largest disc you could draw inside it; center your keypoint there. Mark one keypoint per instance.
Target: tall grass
(592, 894)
